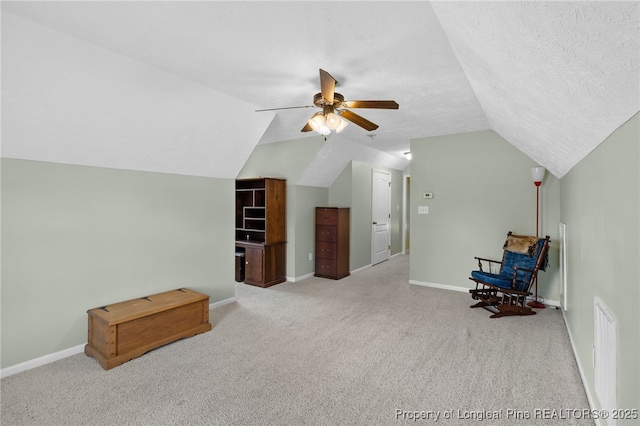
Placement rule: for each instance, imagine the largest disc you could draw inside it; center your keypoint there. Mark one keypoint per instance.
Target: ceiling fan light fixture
(317, 122)
(333, 121)
(343, 124)
(332, 117)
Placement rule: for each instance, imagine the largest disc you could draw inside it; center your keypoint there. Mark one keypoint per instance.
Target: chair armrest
(490, 261)
(517, 269)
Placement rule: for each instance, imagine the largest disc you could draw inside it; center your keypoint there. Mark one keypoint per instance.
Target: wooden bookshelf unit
(261, 229)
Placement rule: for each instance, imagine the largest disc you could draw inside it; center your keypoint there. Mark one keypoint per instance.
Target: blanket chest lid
(149, 305)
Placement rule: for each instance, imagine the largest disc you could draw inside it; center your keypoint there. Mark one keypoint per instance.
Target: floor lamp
(537, 174)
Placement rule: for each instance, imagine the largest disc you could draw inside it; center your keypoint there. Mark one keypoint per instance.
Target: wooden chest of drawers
(332, 242)
(126, 330)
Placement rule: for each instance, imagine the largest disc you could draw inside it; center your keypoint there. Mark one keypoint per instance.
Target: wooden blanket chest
(126, 330)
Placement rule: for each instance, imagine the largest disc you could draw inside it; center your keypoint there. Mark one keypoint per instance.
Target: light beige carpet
(369, 349)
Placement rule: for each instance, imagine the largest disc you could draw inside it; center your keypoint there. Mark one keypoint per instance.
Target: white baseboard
(546, 302)
(300, 278)
(580, 369)
(361, 269)
(222, 302)
(65, 353)
(441, 286)
(553, 303)
(46, 359)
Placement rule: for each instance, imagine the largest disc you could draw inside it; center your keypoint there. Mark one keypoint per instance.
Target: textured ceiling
(172, 86)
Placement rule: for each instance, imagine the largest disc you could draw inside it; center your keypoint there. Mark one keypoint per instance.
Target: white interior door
(381, 217)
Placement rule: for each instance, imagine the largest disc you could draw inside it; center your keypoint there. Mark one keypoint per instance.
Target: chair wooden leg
(508, 310)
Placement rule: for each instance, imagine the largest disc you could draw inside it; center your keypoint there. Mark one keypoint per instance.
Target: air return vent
(604, 357)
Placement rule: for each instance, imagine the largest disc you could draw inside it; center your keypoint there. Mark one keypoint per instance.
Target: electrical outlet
(423, 209)
(427, 195)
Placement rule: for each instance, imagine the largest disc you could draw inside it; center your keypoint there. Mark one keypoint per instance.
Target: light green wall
(601, 209)
(307, 199)
(76, 237)
(342, 188)
(353, 189)
(482, 189)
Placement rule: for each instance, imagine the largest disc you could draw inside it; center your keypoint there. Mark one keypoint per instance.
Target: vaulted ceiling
(173, 86)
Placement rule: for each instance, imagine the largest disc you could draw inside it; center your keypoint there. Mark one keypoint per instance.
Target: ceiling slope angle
(337, 153)
(108, 110)
(388, 50)
(554, 90)
(554, 79)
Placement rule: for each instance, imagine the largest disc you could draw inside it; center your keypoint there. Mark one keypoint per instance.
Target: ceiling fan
(335, 110)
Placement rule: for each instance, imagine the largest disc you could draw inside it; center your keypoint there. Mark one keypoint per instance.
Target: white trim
(580, 369)
(46, 359)
(361, 269)
(441, 286)
(222, 302)
(554, 303)
(65, 353)
(300, 278)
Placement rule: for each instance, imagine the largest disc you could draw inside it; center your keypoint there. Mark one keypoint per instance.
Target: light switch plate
(423, 209)
(427, 195)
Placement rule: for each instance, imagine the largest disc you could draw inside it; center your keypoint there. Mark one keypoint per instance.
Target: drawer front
(326, 267)
(326, 233)
(326, 216)
(326, 250)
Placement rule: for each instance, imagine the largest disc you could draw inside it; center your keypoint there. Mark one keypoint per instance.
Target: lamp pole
(537, 174)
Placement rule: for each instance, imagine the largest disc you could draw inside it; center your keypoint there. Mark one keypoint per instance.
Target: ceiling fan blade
(371, 104)
(356, 119)
(327, 86)
(306, 128)
(293, 107)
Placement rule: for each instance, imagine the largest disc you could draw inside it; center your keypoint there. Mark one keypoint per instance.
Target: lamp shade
(537, 174)
(333, 121)
(343, 124)
(317, 121)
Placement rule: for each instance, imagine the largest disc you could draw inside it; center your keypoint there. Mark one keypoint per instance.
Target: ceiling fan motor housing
(321, 102)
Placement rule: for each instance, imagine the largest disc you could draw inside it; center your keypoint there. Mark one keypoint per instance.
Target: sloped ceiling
(173, 86)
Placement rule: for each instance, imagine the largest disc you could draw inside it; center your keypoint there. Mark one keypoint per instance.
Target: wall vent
(604, 357)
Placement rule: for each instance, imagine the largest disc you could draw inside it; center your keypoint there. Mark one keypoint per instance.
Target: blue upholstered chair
(504, 291)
